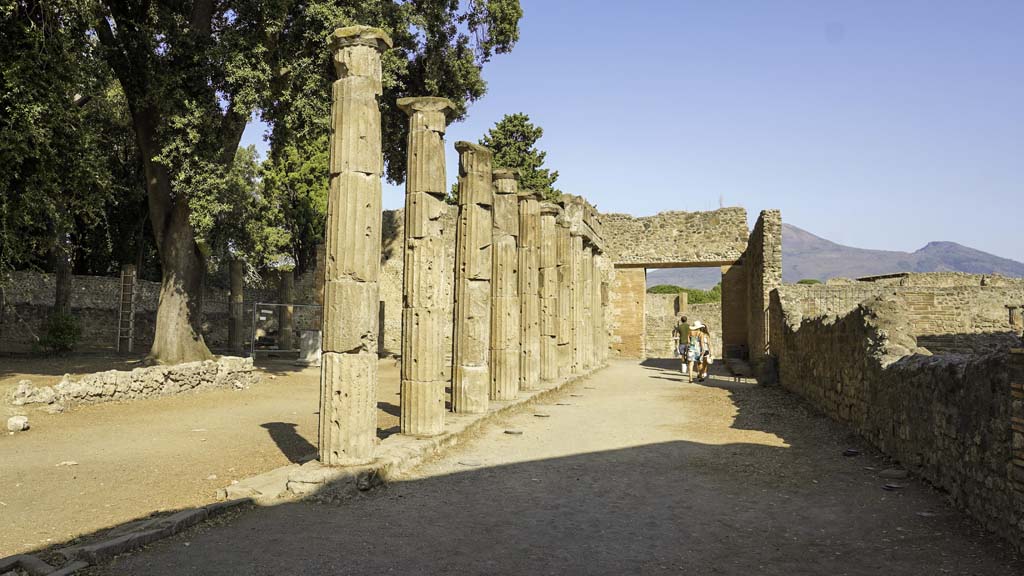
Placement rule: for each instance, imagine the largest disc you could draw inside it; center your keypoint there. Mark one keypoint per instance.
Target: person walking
(680, 334)
(698, 350)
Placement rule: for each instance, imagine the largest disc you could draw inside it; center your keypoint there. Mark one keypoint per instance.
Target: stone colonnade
(527, 283)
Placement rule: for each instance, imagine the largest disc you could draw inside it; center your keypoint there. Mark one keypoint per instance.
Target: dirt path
(140, 457)
(632, 472)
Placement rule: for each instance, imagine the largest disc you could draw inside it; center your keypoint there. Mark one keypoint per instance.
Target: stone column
(530, 245)
(549, 319)
(348, 381)
(236, 322)
(505, 329)
(286, 314)
(423, 286)
(576, 300)
(471, 375)
(586, 304)
(597, 311)
(563, 248)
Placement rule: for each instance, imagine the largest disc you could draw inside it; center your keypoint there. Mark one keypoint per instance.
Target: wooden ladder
(126, 310)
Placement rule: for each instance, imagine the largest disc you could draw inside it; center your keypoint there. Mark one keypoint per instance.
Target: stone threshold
(395, 455)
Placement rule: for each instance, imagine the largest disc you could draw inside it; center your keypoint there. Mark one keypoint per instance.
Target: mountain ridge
(807, 255)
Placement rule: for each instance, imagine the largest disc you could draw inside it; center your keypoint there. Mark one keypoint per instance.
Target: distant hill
(805, 255)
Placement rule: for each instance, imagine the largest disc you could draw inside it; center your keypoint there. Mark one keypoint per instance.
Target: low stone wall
(946, 418)
(112, 385)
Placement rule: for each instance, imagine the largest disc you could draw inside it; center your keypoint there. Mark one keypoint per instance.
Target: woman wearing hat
(698, 350)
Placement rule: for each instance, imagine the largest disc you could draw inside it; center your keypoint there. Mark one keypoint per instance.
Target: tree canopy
(182, 79)
(514, 143)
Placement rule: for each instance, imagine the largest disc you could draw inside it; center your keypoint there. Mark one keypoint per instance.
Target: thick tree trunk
(178, 335)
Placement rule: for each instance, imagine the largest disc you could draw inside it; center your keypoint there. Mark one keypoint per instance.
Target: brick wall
(661, 313)
(734, 313)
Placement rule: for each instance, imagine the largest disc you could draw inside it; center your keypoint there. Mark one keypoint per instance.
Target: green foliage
(514, 143)
(808, 281)
(296, 181)
(693, 295)
(61, 334)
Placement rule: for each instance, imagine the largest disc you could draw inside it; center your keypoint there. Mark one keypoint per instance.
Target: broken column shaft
(549, 293)
(471, 343)
(423, 286)
(530, 242)
(505, 331)
(348, 381)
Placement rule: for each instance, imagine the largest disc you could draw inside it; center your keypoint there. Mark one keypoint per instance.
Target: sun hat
(697, 325)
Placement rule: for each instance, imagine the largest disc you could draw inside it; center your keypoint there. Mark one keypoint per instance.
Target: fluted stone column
(598, 314)
(529, 290)
(576, 300)
(505, 305)
(236, 322)
(563, 250)
(423, 286)
(471, 375)
(586, 304)
(549, 293)
(348, 381)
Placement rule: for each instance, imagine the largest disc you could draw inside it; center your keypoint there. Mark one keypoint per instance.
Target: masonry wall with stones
(27, 297)
(626, 304)
(945, 417)
(659, 241)
(763, 264)
(661, 313)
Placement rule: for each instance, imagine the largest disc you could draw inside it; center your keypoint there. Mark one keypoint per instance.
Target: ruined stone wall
(675, 237)
(626, 303)
(661, 313)
(27, 297)
(763, 264)
(936, 279)
(943, 319)
(946, 418)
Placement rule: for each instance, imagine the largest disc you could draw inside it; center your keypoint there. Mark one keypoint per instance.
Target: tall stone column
(348, 374)
(563, 248)
(549, 293)
(471, 375)
(505, 304)
(236, 322)
(576, 300)
(587, 304)
(423, 286)
(530, 236)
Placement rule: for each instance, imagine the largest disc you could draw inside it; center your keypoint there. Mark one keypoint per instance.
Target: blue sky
(878, 124)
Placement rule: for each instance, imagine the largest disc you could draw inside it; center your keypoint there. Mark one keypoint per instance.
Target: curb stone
(82, 556)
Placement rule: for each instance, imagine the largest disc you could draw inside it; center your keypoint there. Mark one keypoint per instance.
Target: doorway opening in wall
(648, 302)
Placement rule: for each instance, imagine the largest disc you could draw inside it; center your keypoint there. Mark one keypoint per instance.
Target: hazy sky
(878, 124)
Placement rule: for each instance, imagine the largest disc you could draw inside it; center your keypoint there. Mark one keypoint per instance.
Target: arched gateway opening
(750, 263)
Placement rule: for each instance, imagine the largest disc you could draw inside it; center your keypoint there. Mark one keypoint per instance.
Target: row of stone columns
(527, 288)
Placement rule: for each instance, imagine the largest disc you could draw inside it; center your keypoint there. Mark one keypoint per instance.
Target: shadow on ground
(676, 507)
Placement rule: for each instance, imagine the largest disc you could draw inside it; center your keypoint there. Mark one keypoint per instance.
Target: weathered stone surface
(716, 237)
(348, 403)
(349, 386)
(576, 318)
(473, 262)
(424, 286)
(225, 372)
(505, 302)
(17, 423)
(529, 290)
(549, 292)
(565, 278)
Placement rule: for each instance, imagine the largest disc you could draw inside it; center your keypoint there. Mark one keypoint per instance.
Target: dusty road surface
(132, 459)
(631, 472)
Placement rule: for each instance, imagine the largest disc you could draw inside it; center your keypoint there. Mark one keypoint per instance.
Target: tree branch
(201, 19)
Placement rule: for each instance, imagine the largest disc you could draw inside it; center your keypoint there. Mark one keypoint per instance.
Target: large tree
(514, 143)
(194, 72)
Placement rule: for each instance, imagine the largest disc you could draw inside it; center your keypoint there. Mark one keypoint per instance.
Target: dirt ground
(136, 458)
(632, 471)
